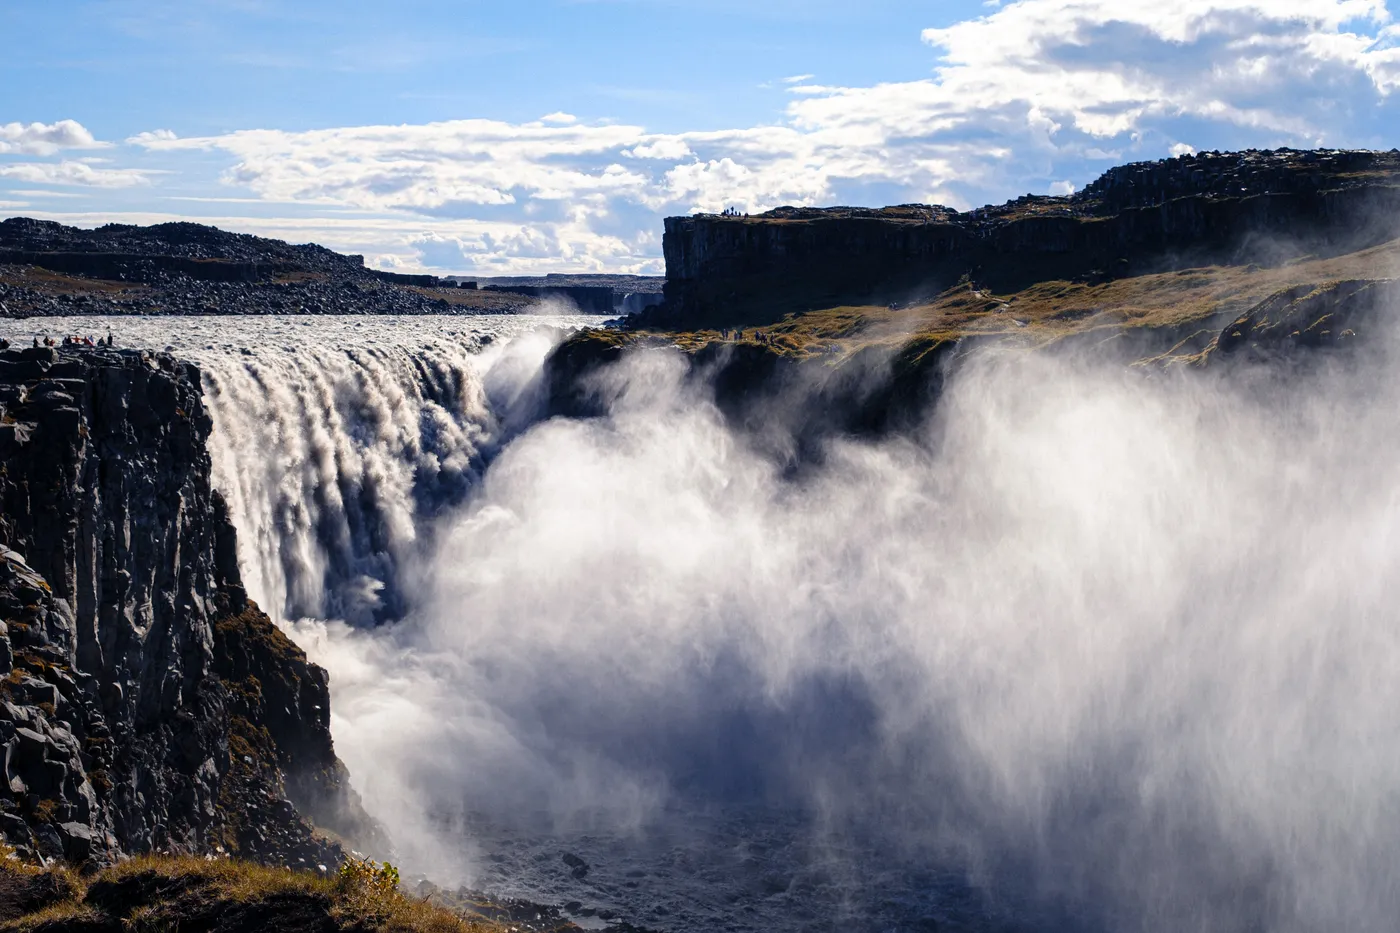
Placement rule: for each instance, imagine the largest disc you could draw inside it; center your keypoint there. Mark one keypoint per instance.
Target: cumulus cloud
(1033, 94)
(666, 148)
(75, 173)
(45, 138)
(152, 137)
(481, 162)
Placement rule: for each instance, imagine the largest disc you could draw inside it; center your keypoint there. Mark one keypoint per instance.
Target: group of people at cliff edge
(69, 341)
(738, 334)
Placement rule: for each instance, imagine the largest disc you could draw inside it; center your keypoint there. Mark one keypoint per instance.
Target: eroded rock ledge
(145, 703)
(1241, 207)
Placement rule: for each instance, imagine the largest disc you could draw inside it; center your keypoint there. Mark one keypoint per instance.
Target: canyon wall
(146, 703)
(1247, 207)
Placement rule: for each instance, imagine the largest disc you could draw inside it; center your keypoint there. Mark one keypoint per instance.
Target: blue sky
(551, 136)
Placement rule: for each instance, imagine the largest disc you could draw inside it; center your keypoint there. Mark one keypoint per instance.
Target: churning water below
(1097, 649)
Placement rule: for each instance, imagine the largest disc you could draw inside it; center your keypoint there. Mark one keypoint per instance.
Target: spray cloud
(1118, 644)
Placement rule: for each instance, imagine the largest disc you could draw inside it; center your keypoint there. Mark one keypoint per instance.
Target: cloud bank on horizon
(1034, 96)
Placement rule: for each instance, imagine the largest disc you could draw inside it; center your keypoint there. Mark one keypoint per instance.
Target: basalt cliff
(803, 320)
(48, 270)
(1262, 207)
(145, 704)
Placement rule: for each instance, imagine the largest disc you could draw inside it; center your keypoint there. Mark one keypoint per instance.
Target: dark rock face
(192, 243)
(137, 267)
(185, 268)
(790, 405)
(589, 299)
(128, 702)
(725, 269)
(1307, 318)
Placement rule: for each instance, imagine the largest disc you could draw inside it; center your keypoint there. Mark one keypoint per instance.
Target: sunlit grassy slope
(1188, 306)
(170, 893)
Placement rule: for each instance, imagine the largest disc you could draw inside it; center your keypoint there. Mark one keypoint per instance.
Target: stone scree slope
(145, 703)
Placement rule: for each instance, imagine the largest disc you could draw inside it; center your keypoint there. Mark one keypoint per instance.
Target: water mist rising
(1123, 646)
(1120, 646)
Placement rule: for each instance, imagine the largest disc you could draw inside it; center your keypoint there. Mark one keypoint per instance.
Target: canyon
(1260, 209)
(812, 594)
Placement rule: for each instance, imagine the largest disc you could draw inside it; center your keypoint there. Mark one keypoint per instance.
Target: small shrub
(46, 811)
(366, 873)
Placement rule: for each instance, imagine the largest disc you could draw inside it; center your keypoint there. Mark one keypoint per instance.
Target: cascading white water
(332, 460)
(338, 440)
(1117, 647)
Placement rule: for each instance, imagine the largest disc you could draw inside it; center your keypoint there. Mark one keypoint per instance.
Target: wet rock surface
(146, 705)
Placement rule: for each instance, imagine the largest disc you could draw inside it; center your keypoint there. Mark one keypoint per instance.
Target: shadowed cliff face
(790, 401)
(1238, 208)
(149, 705)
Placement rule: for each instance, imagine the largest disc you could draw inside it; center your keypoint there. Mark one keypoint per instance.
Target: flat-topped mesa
(131, 253)
(1194, 209)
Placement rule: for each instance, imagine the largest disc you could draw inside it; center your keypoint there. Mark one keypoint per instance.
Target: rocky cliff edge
(145, 704)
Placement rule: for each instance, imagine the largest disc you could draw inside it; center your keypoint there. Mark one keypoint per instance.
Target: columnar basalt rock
(1195, 209)
(130, 696)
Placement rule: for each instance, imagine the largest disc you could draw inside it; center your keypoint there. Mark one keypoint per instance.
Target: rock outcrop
(1308, 317)
(147, 705)
(791, 400)
(49, 269)
(1235, 207)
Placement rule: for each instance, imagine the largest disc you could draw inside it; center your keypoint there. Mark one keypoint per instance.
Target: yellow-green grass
(168, 892)
(1044, 311)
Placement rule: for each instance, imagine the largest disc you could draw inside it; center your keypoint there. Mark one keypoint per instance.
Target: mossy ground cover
(59, 283)
(1025, 309)
(168, 893)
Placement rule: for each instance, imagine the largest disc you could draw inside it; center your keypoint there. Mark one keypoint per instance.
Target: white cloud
(410, 244)
(45, 138)
(427, 167)
(153, 136)
(665, 148)
(74, 173)
(1034, 95)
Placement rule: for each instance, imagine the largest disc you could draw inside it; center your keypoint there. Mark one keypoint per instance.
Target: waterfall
(1094, 647)
(339, 441)
(334, 462)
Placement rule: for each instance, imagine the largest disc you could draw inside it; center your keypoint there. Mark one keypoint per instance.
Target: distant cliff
(1135, 219)
(145, 703)
(49, 269)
